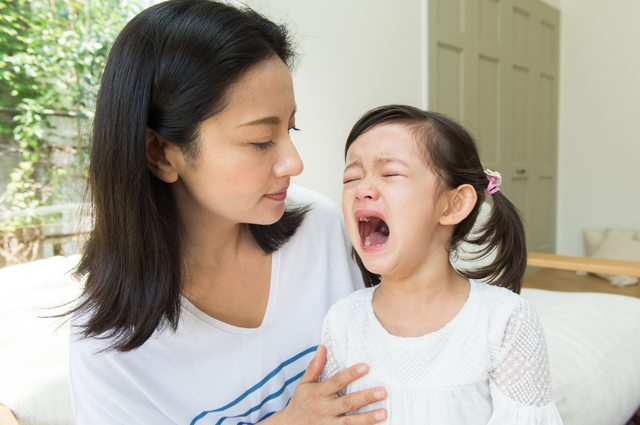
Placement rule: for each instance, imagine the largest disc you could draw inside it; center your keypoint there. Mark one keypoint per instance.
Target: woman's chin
(269, 217)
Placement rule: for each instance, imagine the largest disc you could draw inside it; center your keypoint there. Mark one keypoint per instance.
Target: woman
(204, 296)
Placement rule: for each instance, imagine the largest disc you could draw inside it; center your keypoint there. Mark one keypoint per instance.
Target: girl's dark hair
(452, 154)
(169, 69)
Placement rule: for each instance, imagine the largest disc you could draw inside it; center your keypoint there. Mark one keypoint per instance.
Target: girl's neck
(421, 303)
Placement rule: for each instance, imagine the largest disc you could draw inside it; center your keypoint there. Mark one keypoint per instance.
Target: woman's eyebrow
(267, 120)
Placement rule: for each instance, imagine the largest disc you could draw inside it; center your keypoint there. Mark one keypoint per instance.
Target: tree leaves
(51, 58)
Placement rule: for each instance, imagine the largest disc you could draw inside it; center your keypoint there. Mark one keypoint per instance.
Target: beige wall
(599, 140)
(355, 55)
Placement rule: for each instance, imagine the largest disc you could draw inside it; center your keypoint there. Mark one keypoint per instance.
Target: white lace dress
(487, 366)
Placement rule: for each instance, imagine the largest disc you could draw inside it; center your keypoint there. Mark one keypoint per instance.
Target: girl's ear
(461, 201)
(161, 157)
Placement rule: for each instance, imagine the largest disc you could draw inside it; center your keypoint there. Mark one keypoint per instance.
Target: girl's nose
(366, 190)
(290, 163)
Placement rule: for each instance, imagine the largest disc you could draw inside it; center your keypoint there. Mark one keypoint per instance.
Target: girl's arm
(316, 402)
(520, 380)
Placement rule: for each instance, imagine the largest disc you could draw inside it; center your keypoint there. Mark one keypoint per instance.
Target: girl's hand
(316, 402)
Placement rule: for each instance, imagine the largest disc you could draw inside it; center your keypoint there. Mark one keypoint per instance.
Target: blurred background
(550, 90)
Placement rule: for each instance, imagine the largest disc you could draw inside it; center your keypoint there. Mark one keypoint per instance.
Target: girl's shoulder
(503, 309)
(351, 306)
(496, 298)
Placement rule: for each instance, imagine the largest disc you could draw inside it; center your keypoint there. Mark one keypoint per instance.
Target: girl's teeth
(367, 242)
(364, 219)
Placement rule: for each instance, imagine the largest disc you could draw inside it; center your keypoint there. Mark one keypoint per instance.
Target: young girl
(447, 348)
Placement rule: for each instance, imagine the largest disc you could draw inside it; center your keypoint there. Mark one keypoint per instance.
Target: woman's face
(246, 156)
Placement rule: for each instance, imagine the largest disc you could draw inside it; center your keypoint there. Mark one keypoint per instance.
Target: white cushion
(593, 239)
(594, 354)
(617, 246)
(34, 351)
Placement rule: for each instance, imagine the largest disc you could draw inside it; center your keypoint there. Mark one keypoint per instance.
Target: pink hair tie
(495, 180)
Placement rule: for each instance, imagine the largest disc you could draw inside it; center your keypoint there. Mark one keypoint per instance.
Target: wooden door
(493, 65)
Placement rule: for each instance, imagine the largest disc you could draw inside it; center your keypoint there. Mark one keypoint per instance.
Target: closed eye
(294, 129)
(264, 146)
(349, 180)
(390, 175)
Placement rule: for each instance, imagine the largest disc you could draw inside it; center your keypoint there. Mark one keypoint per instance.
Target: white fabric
(487, 366)
(616, 245)
(593, 239)
(209, 372)
(34, 351)
(594, 354)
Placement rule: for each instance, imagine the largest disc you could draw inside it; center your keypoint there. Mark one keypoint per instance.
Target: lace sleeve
(331, 341)
(521, 368)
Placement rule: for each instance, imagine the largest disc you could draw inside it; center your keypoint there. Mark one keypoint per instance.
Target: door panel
(493, 65)
(450, 72)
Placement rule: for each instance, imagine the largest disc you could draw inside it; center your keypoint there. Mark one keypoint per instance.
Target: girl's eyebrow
(377, 161)
(356, 163)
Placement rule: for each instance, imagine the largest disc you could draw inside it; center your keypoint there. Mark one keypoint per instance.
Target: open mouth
(373, 231)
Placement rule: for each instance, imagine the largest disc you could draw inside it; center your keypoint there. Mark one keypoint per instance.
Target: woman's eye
(264, 146)
(294, 129)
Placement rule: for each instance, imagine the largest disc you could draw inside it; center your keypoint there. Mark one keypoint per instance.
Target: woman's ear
(460, 203)
(161, 157)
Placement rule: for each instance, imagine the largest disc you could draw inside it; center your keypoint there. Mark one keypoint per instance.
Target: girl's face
(391, 202)
(246, 157)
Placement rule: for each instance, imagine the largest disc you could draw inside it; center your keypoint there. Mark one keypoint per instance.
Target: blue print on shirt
(222, 412)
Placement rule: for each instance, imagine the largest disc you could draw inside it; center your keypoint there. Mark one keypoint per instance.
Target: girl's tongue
(373, 231)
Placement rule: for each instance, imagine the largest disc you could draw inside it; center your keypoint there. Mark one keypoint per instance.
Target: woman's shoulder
(298, 196)
(322, 213)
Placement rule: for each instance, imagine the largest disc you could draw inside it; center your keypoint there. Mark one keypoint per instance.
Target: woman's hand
(316, 402)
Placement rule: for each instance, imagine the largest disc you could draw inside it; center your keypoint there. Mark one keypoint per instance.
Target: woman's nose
(290, 163)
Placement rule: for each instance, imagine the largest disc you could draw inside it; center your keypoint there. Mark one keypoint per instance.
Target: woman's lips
(278, 196)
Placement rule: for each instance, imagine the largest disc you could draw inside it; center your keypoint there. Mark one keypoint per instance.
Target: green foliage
(51, 58)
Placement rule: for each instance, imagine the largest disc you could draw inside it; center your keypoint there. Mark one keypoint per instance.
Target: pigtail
(501, 234)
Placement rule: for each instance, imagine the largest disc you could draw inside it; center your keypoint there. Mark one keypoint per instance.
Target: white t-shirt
(487, 366)
(209, 372)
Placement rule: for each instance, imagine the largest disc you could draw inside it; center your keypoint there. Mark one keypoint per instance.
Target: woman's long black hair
(453, 155)
(169, 70)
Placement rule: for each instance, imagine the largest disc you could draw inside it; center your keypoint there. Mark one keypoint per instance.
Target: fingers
(373, 417)
(317, 403)
(354, 401)
(340, 380)
(312, 374)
